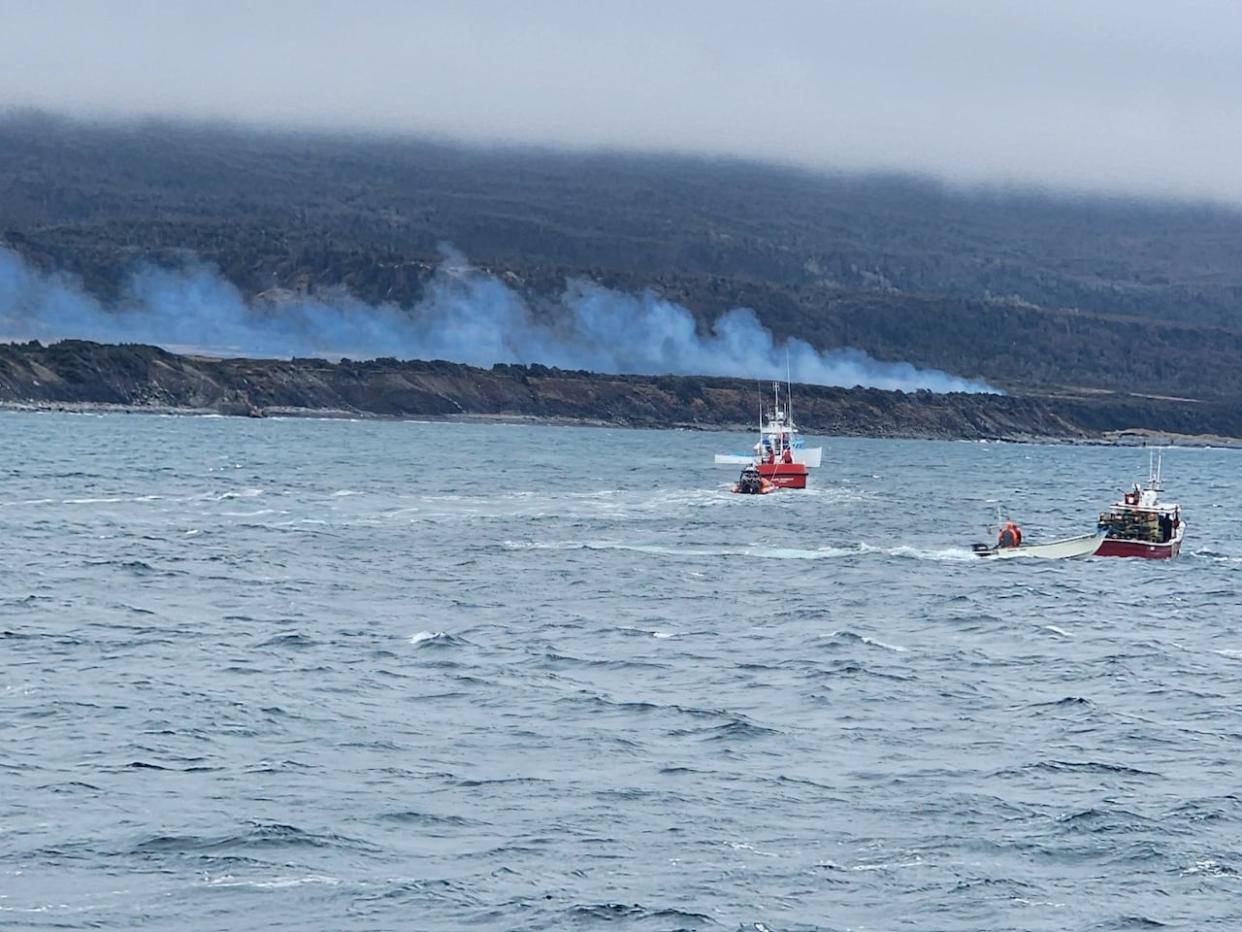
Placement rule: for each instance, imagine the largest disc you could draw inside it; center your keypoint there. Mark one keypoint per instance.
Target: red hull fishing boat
(1140, 525)
(780, 456)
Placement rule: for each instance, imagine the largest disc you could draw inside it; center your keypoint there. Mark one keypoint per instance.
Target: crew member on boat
(1010, 536)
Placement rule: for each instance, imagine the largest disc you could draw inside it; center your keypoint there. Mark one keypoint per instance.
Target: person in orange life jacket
(1010, 535)
(788, 456)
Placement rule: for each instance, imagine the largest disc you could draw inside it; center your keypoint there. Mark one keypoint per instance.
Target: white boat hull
(1068, 549)
(808, 458)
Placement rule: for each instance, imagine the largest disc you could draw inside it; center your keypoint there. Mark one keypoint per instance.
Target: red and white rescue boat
(1141, 525)
(780, 455)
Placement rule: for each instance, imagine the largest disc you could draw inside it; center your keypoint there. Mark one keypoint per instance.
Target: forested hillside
(1025, 290)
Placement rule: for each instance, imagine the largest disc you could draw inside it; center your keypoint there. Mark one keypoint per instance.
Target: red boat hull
(785, 475)
(1136, 548)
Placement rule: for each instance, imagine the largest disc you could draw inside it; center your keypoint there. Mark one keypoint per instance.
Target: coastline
(1133, 437)
(85, 377)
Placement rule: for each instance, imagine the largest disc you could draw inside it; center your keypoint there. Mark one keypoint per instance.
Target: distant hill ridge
(1025, 290)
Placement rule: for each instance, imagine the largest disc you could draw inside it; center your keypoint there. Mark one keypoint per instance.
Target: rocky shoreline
(90, 377)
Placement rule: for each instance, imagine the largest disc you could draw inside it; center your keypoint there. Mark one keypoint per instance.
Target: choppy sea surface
(300, 674)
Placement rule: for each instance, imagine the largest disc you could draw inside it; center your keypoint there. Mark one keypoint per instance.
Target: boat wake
(860, 549)
(1206, 553)
(944, 555)
(770, 553)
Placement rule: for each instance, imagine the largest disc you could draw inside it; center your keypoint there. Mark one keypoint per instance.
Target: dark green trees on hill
(1023, 290)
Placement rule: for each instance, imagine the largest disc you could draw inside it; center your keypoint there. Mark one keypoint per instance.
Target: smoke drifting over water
(465, 316)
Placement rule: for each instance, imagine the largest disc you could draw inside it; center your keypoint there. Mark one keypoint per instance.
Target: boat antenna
(759, 394)
(789, 386)
(778, 447)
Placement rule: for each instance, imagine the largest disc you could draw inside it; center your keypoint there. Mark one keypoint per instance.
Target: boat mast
(1155, 468)
(789, 388)
(759, 446)
(776, 419)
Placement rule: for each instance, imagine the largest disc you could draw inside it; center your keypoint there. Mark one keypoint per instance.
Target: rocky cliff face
(75, 372)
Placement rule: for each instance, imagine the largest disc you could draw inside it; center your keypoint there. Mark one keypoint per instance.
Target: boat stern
(785, 475)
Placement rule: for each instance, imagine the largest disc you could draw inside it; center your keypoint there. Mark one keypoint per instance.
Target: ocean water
(306, 674)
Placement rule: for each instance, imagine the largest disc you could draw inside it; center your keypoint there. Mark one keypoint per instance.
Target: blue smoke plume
(465, 316)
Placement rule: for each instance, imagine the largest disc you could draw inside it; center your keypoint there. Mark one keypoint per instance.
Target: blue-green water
(359, 675)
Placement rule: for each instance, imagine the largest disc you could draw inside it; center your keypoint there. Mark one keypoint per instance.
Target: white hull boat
(1068, 549)
(809, 458)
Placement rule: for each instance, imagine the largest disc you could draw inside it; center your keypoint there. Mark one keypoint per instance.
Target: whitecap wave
(276, 883)
(875, 642)
(420, 637)
(648, 632)
(863, 639)
(111, 500)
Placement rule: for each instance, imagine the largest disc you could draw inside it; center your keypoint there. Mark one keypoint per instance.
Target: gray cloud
(1120, 95)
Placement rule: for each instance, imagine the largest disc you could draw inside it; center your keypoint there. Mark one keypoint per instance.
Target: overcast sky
(1141, 96)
